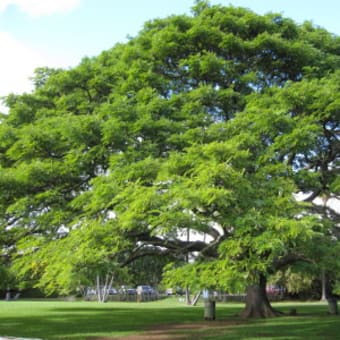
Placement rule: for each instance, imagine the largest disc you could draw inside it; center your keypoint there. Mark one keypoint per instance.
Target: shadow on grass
(288, 328)
(73, 321)
(83, 321)
(311, 323)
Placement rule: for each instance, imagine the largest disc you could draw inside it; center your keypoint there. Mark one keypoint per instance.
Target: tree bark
(98, 288)
(196, 298)
(103, 291)
(187, 296)
(323, 285)
(257, 303)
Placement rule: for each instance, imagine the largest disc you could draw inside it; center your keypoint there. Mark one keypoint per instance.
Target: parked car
(144, 289)
(91, 291)
(169, 291)
(131, 291)
(127, 290)
(112, 291)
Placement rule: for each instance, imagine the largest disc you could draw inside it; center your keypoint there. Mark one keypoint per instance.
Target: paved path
(14, 338)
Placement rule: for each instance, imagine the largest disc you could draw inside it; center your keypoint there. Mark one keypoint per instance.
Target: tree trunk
(98, 289)
(196, 298)
(323, 286)
(187, 291)
(187, 296)
(103, 291)
(257, 303)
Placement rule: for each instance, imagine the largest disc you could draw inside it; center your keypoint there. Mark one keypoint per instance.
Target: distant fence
(219, 297)
(128, 297)
(230, 297)
(225, 297)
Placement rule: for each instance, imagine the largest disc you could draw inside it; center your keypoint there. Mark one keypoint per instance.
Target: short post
(332, 305)
(209, 305)
(139, 295)
(8, 295)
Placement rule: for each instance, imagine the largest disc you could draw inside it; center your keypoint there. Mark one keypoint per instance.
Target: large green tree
(203, 123)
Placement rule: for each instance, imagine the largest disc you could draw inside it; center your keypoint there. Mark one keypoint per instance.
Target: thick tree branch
(289, 259)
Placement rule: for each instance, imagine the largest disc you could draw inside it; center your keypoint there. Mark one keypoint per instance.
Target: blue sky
(58, 33)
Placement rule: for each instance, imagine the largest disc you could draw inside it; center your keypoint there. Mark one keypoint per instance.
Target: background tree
(86, 258)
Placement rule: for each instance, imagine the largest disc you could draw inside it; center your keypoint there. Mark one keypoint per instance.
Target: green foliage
(214, 275)
(205, 123)
(147, 270)
(295, 280)
(68, 263)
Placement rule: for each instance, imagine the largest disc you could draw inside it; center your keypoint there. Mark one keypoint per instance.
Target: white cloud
(37, 8)
(17, 63)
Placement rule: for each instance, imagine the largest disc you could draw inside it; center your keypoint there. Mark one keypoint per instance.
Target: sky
(59, 33)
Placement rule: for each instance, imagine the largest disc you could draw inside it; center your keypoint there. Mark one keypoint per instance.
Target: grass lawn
(48, 319)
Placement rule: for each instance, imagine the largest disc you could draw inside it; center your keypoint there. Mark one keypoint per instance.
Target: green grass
(47, 319)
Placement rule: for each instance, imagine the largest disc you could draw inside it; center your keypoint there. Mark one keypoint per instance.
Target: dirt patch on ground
(176, 331)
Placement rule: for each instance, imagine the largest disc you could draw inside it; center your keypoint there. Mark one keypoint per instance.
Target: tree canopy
(204, 124)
